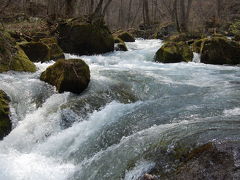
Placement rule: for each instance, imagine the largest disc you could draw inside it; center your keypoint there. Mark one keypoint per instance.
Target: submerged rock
(5, 122)
(208, 161)
(12, 57)
(218, 50)
(120, 45)
(84, 38)
(124, 36)
(173, 52)
(68, 75)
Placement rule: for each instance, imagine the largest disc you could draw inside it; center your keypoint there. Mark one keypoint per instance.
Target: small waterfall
(196, 57)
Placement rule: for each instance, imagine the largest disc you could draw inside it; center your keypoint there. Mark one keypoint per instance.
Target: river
(131, 104)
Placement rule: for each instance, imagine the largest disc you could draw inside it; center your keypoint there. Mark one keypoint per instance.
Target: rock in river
(68, 75)
(5, 122)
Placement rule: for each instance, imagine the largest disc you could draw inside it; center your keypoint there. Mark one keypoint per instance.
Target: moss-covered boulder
(219, 51)
(178, 37)
(120, 45)
(174, 52)
(55, 51)
(12, 57)
(5, 122)
(36, 51)
(124, 36)
(68, 75)
(44, 50)
(83, 37)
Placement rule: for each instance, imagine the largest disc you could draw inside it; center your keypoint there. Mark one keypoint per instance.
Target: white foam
(196, 57)
(18, 166)
(69, 140)
(232, 112)
(37, 125)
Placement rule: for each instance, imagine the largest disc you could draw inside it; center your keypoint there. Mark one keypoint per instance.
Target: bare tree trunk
(98, 10)
(129, 12)
(219, 4)
(146, 17)
(3, 6)
(137, 11)
(182, 16)
(69, 8)
(175, 12)
(189, 6)
(120, 15)
(91, 6)
(106, 7)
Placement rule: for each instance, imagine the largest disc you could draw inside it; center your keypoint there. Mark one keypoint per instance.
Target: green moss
(12, 57)
(48, 41)
(36, 51)
(183, 37)
(118, 40)
(197, 46)
(84, 38)
(55, 51)
(218, 50)
(235, 28)
(125, 36)
(120, 45)
(68, 75)
(22, 63)
(39, 35)
(5, 122)
(173, 52)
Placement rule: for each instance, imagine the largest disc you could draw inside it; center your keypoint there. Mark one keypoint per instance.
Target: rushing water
(131, 104)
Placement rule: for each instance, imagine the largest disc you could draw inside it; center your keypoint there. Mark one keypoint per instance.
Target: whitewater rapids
(131, 104)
